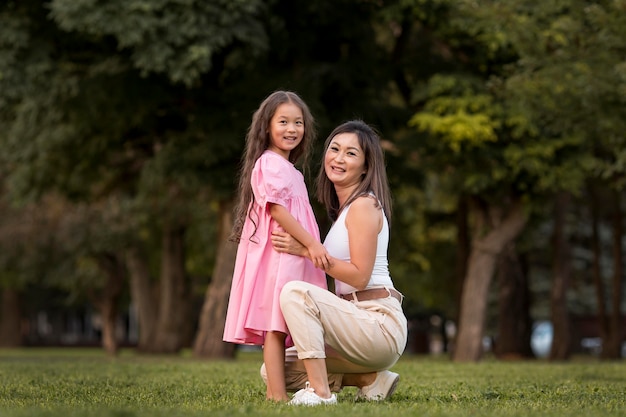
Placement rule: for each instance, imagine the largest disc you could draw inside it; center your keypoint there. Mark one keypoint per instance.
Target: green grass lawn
(83, 382)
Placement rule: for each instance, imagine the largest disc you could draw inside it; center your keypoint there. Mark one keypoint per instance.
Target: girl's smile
(286, 129)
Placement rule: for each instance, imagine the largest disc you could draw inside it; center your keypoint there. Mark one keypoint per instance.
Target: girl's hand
(319, 255)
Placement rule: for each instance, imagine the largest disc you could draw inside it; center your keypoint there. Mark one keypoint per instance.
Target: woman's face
(344, 161)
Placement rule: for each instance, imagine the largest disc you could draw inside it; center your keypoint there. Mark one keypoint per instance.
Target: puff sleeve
(270, 181)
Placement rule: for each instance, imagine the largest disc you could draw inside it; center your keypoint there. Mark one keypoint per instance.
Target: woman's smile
(344, 160)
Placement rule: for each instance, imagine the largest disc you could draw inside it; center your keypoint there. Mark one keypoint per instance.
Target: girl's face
(286, 129)
(344, 160)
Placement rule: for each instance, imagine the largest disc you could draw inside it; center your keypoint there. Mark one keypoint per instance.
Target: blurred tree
(104, 108)
(570, 80)
(465, 124)
(514, 326)
(513, 132)
(424, 257)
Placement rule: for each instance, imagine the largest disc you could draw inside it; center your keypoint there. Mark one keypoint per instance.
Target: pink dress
(261, 272)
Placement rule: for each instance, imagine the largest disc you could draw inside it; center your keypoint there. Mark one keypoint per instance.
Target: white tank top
(337, 245)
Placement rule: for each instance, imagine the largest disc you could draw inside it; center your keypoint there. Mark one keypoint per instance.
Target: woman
(353, 337)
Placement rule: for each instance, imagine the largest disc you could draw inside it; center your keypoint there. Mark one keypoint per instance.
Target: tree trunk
(514, 322)
(462, 247)
(10, 319)
(174, 321)
(208, 341)
(612, 346)
(106, 302)
(108, 311)
(144, 298)
(596, 269)
(562, 339)
(484, 254)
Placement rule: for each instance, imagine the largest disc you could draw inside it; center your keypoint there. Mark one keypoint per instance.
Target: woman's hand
(283, 242)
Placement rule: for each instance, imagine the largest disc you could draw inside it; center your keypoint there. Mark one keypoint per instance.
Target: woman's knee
(288, 293)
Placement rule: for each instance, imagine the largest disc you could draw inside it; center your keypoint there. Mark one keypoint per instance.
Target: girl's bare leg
(274, 358)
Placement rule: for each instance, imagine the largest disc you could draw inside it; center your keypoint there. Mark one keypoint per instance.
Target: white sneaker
(381, 389)
(307, 396)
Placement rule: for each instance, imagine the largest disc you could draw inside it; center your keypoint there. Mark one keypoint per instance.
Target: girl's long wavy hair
(374, 180)
(257, 141)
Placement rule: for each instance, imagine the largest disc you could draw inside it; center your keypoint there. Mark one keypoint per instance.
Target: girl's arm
(364, 221)
(317, 252)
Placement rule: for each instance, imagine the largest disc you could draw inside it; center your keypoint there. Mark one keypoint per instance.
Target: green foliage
(85, 383)
(422, 248)
(84, 119)
(175, 38)
(546, 106)
(567, 80)
(460, 121)
(14, 39)
(463, 127)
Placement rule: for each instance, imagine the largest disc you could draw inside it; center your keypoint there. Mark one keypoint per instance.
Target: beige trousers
(353, 336)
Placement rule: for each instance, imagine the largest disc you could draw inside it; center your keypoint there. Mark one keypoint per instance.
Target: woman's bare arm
(364, 222)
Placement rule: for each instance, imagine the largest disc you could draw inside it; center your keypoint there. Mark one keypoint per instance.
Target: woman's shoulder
(364, 205)
(366, 201)
(364, 216)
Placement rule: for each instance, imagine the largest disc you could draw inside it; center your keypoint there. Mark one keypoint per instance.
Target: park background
(122, 124)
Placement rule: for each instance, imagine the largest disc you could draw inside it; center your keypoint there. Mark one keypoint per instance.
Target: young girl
(272, 195)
